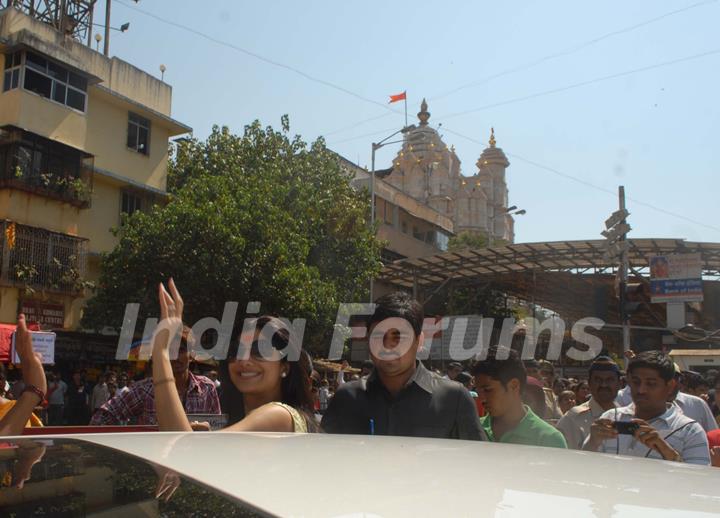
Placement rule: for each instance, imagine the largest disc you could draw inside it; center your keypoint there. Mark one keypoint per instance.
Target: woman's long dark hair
(296, 387)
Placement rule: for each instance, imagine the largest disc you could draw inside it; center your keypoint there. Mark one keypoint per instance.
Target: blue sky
(609, 93)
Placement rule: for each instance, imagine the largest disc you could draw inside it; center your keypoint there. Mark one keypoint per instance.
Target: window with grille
(42, 259)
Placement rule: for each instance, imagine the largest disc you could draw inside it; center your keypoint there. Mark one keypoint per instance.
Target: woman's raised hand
(171, 310)
(32, 369)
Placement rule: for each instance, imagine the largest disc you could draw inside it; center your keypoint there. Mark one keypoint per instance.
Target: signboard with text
(43, 343)
(47, 315)
(676, 278)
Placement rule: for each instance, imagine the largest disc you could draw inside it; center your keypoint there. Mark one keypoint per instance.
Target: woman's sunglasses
(257, 351)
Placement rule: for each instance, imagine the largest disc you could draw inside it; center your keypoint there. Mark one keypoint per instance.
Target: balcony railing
(38, 259)
(34, 164)
(76, 191)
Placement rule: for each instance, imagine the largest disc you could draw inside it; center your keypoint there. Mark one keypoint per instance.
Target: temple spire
(423, 115)
(492, 137)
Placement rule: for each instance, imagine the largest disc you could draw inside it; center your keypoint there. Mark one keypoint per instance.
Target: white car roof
(368, 476)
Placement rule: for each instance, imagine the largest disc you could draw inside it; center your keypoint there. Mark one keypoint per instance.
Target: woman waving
(263, 391)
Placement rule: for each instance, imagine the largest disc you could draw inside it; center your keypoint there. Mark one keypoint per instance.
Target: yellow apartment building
(83, 138)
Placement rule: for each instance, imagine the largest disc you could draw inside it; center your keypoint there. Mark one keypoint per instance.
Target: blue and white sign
(676, 278)
(43, 343)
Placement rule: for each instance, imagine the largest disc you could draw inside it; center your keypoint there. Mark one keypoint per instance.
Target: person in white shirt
(56, 392)
(655, 428)
(324, 395)
(697, 409)
(692, 406)
(123, 383)
(4, 385)
(623, 396)
(604, 380)
(101, 393)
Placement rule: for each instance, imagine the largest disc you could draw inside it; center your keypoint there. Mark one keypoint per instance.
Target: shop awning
(6, 331)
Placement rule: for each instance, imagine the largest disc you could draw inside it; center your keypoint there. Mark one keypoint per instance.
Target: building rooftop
(116, 77)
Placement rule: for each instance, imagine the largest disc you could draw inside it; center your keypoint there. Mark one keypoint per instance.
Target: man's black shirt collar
(421, 377)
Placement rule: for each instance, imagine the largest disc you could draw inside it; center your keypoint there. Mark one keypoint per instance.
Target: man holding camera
(650, 427)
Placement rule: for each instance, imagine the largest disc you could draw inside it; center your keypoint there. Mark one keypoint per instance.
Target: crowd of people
(650, 410)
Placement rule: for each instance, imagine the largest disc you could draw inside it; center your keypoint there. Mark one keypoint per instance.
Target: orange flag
(397, 97)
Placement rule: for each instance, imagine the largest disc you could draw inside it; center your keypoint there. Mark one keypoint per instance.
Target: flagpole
(405, 108)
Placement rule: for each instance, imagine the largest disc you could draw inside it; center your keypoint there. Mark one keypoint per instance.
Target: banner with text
(676, 278)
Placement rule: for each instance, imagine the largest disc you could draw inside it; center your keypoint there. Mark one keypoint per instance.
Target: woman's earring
(283, 375)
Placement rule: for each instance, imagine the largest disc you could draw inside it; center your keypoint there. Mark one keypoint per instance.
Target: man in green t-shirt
(500, 384)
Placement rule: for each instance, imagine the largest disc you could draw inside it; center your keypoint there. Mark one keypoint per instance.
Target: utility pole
(624, 275)
(616, 248)
(107, 27)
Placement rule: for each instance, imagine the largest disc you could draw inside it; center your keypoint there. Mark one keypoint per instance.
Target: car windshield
(70, 478)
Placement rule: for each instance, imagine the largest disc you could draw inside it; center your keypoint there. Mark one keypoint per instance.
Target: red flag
(397, 97)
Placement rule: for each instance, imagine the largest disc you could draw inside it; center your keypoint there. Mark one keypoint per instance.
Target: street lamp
(123, 27)
(512, 210)
(375, 146)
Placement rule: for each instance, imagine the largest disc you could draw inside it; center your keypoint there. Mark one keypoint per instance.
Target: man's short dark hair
(546, 366)
(603, 364)
(502, 370)
(659, 362)
(531, 364)
(398, 305)
(464, 378)
(693, 380)
(712, 376)
(455, 365)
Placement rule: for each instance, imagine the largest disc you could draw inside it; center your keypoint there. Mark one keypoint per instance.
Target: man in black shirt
(400, 396)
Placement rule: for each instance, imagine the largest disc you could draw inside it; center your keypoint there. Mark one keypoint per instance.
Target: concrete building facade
(83, 139)
(424, 199)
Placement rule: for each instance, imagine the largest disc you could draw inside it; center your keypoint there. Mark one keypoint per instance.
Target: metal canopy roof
(573, 278)
(557, 256)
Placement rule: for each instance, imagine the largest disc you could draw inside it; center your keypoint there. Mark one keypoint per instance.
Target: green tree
(253, 217)
(465, 240)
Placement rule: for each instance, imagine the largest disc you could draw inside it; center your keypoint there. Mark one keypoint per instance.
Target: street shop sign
(47, 315)
(676, 278)
(42, 342)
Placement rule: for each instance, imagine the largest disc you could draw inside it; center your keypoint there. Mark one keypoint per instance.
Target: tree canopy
(252, 217)
(465, 240)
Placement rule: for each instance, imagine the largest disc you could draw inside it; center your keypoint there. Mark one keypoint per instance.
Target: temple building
(428, 170)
